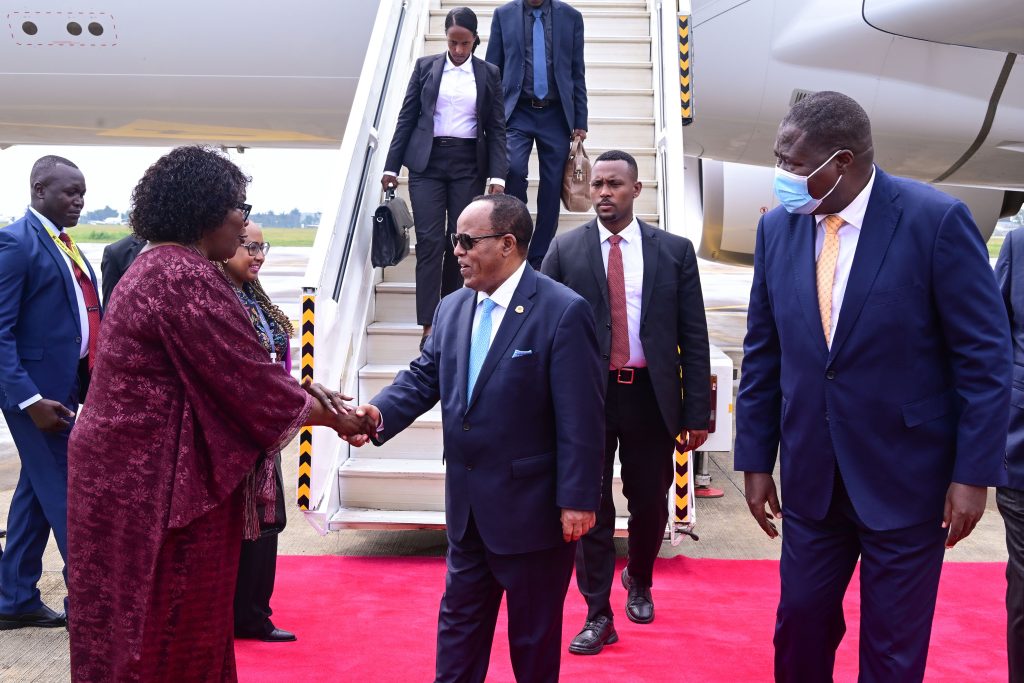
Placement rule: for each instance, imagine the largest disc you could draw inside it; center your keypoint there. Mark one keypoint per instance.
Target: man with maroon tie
(49, 324)
(643, 286)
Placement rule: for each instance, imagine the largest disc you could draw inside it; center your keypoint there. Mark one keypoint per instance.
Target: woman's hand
(332, 401)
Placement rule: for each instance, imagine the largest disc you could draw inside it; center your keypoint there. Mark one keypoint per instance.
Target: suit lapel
(801, 256)
(556, 11)
(507, 331)
(481, 92)
(880, 223)
(436, 71)
(649, 241)
(59, 263)
(592, 245)
(464, 339)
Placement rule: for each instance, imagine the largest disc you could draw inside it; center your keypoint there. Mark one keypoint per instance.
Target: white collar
(854, 212)
(503, 294)
(628, 234)
(466, 66)
(50, 226)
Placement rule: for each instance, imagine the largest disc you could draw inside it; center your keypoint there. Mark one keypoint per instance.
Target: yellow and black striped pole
(682, 514)
(306, 435)
(685, 89)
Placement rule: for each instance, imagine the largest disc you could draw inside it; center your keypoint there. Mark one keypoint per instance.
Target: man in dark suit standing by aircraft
(877, 367)
(538, 45)
(643, 286)
(1010, 498)
(49, 322)
(513, 359)
(116, 259)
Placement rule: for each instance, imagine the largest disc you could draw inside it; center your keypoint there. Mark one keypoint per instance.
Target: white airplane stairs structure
(359, 322)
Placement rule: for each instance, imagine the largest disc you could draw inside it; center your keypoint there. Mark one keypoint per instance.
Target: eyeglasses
(256, 247)
(467, 242)
(245, 209)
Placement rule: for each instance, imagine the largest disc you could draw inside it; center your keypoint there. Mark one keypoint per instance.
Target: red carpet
(373, 620)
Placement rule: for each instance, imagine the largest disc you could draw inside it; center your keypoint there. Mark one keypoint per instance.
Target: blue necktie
(540, 58)
(481, 343)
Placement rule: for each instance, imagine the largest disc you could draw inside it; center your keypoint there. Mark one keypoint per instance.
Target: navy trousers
(534, 585)
(899, 579)
(546, 127)
(1011, 507)
(39, 505)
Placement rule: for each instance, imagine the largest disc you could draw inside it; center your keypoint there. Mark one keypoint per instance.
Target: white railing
(339, 271)
(668, 125)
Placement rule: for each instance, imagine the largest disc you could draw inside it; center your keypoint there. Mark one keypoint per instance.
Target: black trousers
(534, 585)
(257, 568)
(634, 424)
(439, 193)
(1011, 507)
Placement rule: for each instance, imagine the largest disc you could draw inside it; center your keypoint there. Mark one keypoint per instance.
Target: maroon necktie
(617, 302)
(92, 302)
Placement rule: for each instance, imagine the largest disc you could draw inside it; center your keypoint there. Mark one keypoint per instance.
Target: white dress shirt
(632, 250)
(455, 110)
(849, 234)
(502, 297)
(83, 313)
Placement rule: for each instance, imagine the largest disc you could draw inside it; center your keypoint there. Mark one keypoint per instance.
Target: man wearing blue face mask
(877, 367)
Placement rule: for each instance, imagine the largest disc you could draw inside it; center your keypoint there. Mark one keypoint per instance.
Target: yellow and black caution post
(306, 434)
(684, 517)
(685, 83)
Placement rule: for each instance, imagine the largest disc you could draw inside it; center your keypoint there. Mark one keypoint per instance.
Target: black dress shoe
(44, 617)
(639, 604)
(595, 635)
(3, 533)
(277, 635)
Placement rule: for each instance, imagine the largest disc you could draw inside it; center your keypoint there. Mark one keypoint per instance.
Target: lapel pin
(519, 309)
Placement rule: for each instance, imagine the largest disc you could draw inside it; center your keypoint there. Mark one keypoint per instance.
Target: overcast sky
(282, 179)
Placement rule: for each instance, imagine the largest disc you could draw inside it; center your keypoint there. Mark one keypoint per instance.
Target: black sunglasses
(467, 242)
(245, 209)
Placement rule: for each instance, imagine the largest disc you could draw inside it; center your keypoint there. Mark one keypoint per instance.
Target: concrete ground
(724, 525)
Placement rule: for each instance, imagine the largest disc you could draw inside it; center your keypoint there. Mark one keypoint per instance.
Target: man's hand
(579, 133)
(388, 181)
(964, 506)
(49, 416)
(759, 489)
(333, 401)
(495, 189)
(353, 427)
(370, 417)
(575, 523)
(695, 438)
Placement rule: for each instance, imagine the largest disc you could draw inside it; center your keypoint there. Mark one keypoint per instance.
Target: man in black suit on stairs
(644, 288)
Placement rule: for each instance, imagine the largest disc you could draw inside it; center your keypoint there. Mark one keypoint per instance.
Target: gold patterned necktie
(826, 272)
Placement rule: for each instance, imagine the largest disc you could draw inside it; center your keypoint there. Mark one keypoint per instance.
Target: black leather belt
(453, 142)
(534, 103)
(627, 375)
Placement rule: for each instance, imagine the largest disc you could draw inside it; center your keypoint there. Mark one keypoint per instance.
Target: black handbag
(391, 223)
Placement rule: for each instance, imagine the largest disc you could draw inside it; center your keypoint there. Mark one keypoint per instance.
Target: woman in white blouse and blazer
(451, 136)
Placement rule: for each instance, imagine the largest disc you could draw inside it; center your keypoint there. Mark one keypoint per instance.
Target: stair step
(357, 518)
(409, 483)
(393, 342)
(647, 202)
(595, 48)
(597, 22)
(375, 376)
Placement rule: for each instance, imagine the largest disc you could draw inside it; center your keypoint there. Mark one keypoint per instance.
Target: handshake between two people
(354, 425)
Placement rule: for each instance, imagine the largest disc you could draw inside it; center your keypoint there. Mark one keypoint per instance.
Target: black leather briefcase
(391, 223)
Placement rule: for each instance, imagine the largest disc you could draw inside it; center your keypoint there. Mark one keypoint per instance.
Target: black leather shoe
(3, 533)
(639, 604)
(278, 635)
(44, 617)
(595, 635)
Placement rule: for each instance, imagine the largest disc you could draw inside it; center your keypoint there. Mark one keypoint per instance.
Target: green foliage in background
(104, 234)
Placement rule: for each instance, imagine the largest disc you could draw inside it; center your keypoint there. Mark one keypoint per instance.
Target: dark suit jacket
(530, 440)
(116, 259)
(673, 329)
(505, 48)
(40, 329)
(1010, 275)
(915, 391)
(414, 132)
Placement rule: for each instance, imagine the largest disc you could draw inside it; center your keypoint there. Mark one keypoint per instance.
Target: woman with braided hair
(257, 566)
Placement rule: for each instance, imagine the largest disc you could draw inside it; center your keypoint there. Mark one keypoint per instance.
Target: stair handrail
(339, 281)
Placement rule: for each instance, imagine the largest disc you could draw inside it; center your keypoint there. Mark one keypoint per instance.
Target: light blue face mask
(791, 189)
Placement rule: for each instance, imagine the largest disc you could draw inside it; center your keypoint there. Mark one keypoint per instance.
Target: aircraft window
(74, 28)
(96, 29)
(29, 28)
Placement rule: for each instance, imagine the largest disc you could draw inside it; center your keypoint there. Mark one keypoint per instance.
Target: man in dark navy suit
(117, 257)
(49, 321)
(513, 359)
(538, 45)
(877, 368)
(1010, 498)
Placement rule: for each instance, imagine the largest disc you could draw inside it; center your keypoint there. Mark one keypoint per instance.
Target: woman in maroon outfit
(166, 462)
